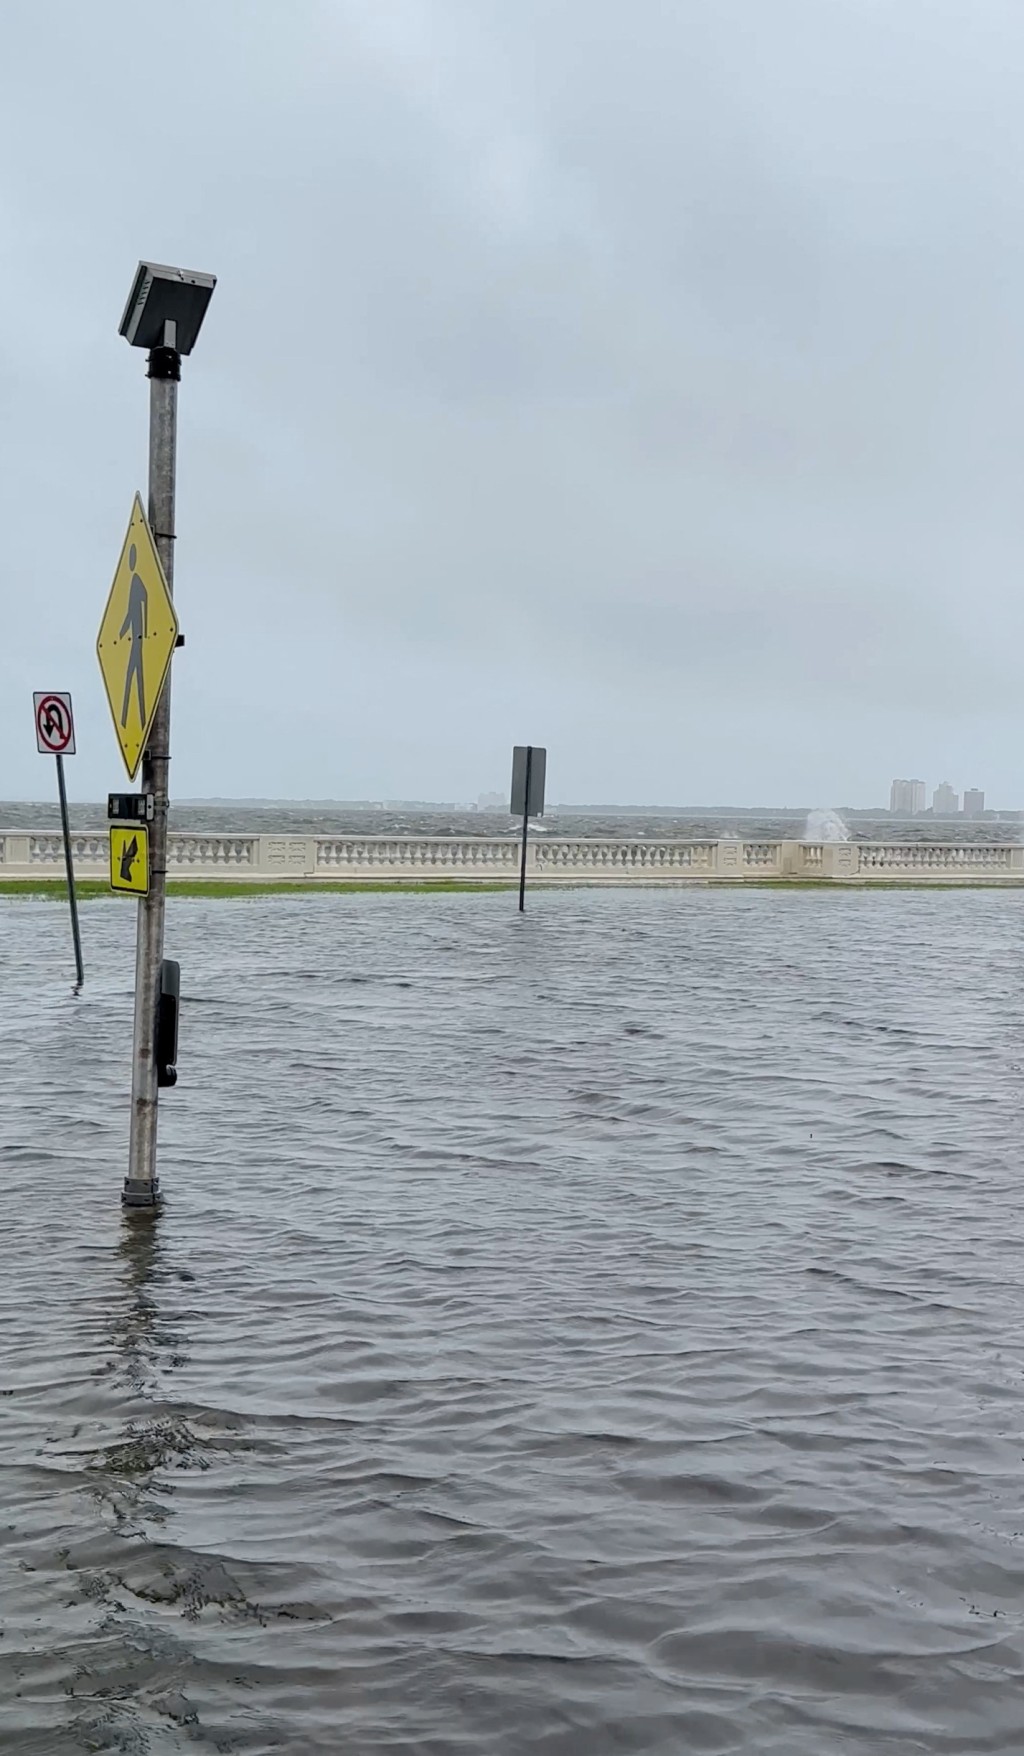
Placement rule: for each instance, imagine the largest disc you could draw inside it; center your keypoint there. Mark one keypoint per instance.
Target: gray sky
(639, 377)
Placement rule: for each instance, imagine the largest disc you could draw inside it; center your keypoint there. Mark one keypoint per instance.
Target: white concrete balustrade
(394, 855)
(198, 853)
(918, 859)
(552, 859)
(584, 856)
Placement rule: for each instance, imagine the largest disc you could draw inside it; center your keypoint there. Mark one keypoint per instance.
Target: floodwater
(595, 1332)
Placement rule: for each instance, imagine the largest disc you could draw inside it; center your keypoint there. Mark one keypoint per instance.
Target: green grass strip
(91, 889)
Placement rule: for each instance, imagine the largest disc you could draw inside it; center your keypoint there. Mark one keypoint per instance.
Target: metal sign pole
(526, 828)
(142, 1188)
(69, 863)
(164, 315)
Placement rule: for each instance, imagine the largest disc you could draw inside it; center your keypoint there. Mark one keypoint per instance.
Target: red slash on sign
(55, 725)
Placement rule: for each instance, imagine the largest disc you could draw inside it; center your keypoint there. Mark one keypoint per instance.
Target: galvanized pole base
(142, 1187)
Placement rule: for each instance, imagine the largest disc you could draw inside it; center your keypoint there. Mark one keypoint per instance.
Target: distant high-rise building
(492, 802)
(906, 798)
(974, 802)
(945, 802)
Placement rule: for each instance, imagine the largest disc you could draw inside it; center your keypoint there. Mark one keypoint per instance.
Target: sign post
(55, 736)
(137, 640)
(529, 764)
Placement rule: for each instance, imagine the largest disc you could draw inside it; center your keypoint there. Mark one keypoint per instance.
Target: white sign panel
(55, 725)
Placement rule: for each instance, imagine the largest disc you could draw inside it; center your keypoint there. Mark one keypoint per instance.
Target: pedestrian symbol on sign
(136, 626)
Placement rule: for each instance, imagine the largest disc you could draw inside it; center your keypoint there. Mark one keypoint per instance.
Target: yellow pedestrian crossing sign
(129, 860)
(137, 637)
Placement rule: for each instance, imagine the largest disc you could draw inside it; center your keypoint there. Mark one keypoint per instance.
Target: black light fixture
(162, 296)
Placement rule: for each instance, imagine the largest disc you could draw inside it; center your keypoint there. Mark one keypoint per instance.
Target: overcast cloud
(639, 377)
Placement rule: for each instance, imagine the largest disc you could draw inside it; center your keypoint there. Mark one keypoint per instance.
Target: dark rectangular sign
(534, 757)
(130, 807)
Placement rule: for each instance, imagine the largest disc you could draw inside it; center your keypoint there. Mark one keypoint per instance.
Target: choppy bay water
(323, 818)
(589, 1333)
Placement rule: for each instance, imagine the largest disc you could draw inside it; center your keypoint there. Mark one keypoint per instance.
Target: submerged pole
(69, 865)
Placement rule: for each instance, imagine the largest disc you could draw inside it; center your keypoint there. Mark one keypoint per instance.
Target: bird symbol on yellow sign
(137, 638)
(129, 855)
(129, 860)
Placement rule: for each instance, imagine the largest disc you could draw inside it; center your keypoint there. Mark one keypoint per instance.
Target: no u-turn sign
(55, 725)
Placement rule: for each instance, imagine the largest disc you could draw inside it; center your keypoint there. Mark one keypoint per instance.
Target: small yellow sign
(137, 637)
(129, 860)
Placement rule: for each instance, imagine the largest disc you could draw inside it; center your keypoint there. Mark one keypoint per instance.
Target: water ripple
(594, 1332)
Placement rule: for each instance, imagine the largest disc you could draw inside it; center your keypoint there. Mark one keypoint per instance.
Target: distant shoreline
(432, 808)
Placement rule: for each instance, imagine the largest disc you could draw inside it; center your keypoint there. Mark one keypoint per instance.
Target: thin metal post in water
(526, 829)
(69, 864)
(142, 1188)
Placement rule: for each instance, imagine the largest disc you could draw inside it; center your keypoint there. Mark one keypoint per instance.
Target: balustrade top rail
(594, 858)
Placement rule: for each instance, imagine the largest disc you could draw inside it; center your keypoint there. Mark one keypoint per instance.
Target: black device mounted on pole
(168, 1002)
(529, 765)
(131, 807)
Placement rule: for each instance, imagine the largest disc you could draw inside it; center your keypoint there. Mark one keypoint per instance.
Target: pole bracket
(164, 363)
